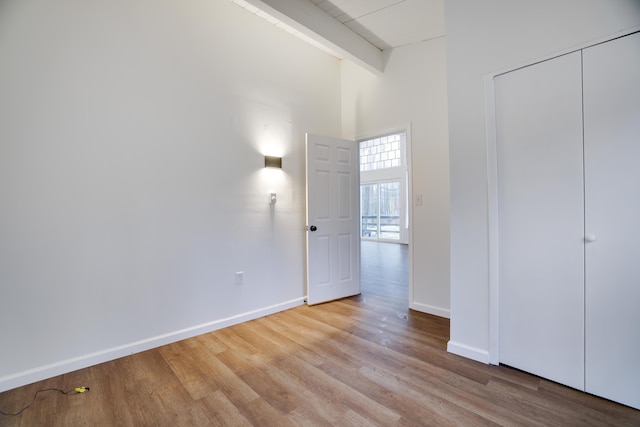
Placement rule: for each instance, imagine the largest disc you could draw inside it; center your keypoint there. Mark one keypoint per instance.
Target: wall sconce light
(272, 162)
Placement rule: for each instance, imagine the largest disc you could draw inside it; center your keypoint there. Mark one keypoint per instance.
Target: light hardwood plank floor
(361, 361)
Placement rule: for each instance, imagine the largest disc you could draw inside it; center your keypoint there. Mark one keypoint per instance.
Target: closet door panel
(612, 215)
(541, 219)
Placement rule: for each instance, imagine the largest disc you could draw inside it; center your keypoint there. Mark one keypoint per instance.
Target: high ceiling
(358, 30)
(388, 23)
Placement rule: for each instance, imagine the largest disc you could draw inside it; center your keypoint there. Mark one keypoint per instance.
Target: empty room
(182, 226)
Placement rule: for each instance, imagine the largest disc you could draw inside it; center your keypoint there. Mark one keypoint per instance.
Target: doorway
(384, 219)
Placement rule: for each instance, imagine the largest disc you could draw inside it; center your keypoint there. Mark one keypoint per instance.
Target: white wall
(485, 37)
(412, 91)
(132, 185)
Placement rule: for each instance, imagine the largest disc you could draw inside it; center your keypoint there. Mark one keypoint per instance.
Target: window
(380, 210)
(380, 153)
(383, 188)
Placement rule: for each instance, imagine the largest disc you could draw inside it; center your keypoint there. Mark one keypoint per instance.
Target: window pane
(369, 210)
(376, 153)
(390, 210)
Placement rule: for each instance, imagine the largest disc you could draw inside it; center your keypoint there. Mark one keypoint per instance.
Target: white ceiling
(388, 23)
(355, 29)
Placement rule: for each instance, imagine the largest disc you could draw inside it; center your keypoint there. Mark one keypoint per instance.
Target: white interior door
(541, 219)
(612, 197)
(333, 241)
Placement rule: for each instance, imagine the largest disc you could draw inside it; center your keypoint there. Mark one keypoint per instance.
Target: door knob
(589, 238)
(313, 228)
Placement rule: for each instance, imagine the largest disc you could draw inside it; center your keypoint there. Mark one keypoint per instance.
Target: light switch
(418, 199)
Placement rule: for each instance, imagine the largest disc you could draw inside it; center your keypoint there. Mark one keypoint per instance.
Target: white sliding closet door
(541, 219)
(612, 215)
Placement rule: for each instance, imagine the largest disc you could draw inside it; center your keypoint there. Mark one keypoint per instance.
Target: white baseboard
(468, 352)
(429, 309)
(64, 366)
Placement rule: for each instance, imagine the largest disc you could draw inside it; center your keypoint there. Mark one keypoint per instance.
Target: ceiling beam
(314, 23)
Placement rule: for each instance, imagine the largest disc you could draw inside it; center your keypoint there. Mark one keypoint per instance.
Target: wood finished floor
(361, 361)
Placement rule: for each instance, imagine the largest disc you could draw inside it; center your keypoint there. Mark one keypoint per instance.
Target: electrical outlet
(239, 278)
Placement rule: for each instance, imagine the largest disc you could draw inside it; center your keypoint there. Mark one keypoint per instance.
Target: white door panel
(333, 250)
(540, 208)
(612, 215)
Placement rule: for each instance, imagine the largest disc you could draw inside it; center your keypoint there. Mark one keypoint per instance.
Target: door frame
(492, 187)
(406, 127)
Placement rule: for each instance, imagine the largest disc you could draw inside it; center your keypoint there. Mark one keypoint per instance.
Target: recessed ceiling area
(358, 30)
